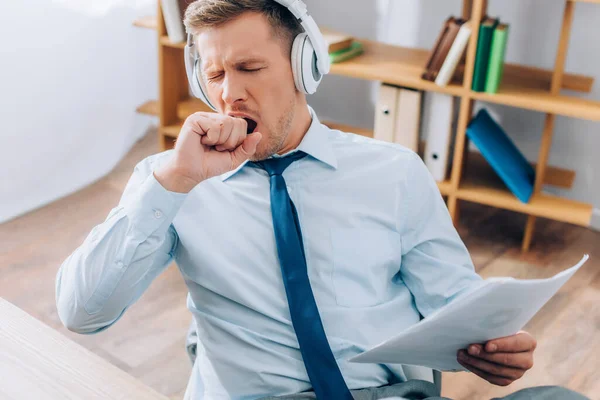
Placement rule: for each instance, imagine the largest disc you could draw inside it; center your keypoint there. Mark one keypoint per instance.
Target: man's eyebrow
(242, 62)
(249, 60)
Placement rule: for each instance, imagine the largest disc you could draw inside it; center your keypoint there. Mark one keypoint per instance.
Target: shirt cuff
(154, 207)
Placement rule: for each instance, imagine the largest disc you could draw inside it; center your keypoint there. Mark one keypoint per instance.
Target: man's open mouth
(251, 125)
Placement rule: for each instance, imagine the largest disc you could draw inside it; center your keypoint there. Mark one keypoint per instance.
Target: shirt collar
(315, 143)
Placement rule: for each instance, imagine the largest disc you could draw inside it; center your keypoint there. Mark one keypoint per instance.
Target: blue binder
(502, 154)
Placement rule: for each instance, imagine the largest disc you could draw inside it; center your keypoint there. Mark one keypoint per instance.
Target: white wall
(71, 75)
(533, 38)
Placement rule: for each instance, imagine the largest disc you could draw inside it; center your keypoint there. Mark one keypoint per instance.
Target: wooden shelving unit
(471, 178)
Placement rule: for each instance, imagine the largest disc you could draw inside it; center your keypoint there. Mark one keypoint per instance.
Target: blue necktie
(323, 371)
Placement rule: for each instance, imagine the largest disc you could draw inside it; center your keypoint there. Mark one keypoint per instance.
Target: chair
(427, 374)
(411, 371)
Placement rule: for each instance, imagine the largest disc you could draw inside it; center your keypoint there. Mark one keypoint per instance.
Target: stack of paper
(497, 308)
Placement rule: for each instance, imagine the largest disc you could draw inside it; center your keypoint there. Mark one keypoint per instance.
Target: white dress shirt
(380, 246)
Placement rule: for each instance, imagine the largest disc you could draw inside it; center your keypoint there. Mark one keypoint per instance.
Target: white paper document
(498, 307)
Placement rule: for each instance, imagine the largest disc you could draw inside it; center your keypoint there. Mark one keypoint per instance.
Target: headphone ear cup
(304, 65)
(198, 89)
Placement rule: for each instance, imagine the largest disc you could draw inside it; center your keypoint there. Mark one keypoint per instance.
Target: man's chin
(262, 154)
(259, 156)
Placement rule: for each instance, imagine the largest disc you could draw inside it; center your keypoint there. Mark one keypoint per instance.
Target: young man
(293, 264)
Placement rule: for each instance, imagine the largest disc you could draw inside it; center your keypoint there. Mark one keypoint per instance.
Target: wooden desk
(37, 362)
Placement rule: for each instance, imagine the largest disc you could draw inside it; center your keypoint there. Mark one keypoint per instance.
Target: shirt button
(119, 264)
(157, 214)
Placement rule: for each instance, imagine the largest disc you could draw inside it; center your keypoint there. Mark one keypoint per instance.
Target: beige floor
(148, 342)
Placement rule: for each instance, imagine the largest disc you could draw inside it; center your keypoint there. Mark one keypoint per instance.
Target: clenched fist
(208, 145)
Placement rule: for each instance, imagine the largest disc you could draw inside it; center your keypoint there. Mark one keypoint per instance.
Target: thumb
(247, 149)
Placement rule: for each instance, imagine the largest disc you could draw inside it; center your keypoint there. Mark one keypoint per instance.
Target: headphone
(310, 56)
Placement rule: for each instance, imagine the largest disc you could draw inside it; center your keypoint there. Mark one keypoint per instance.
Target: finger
(238, 135)
(246, 149)
(522, 341)
(227, 126)
(212, 134)
(523, 360)
(490, 367)
(199, 123)
(496, 380)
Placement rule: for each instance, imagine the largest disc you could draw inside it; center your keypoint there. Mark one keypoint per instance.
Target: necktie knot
(276, 166)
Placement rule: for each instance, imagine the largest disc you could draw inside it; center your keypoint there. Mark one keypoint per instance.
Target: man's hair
(212, 13)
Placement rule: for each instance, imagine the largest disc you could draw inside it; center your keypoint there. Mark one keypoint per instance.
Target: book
(438, 124)
(336, 41)
(441, 49)
(482, 56)
(173, 13)
(496, 64)
(408, 118)
(435, 49)
(385, 113)
(453, 29)
(502, 155)
(355, 50)
(455, 54)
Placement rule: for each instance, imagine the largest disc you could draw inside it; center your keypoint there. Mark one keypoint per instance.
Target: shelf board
(517, 93)
(172, 130)
(148, 22)
(391, 64)
(184, 108)
(554, 176)
(542, 78)
(189, 106)
(149, 108)
(403, 66)
(348, 128)
(165, 41)
(489, 190)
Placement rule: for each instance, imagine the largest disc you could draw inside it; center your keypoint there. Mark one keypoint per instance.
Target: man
(293, 264)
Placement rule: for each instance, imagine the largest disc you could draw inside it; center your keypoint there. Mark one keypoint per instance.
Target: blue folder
(502, 154)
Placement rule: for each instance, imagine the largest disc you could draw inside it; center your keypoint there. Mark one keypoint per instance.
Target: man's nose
(233, 90)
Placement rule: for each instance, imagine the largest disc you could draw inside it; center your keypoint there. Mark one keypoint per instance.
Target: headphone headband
(298, 9)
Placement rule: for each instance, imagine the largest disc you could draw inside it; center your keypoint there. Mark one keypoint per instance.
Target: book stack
(341, 46)
(448, 52)
(489, 60)
(173, 12)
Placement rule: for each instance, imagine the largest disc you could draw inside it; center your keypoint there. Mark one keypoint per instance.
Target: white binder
(385, 113)
(438, 112)
(173, 21)
(408, 117)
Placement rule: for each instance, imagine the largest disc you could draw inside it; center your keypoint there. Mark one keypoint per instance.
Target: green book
(496, 64)
(486, 31)
(342, 55)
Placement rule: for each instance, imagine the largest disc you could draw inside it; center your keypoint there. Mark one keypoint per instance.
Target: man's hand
(500, 361)
(208, 145)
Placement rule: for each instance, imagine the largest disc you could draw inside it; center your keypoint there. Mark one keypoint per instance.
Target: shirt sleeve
(436, 265)
(121, 256)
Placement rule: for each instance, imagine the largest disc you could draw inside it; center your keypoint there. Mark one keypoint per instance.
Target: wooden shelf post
(546, 143)
(172, 82)
(461, 146)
